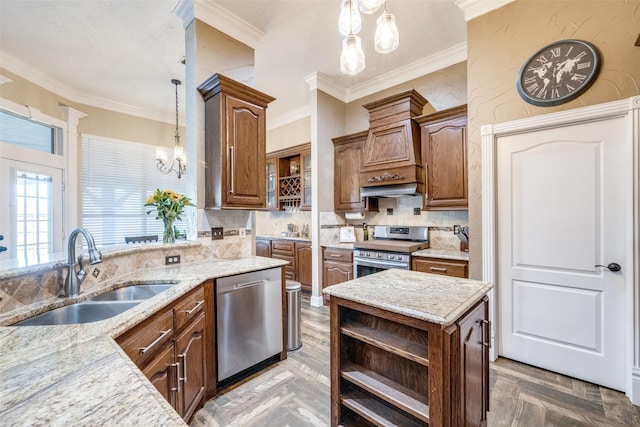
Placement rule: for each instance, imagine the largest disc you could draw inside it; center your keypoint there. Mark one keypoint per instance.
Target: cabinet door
(474, 365)
(305, 181)
(161, 371)
(335, 272)
(272, 180)
(290, 269)
(246, 152)
(304, 265)
(444, 150)
(263, 248)
(191, 358)
(347, 163)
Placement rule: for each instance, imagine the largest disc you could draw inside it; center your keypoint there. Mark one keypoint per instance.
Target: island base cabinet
(392, 369)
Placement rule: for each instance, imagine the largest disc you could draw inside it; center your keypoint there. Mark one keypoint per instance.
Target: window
(26, 133)
(117, 178)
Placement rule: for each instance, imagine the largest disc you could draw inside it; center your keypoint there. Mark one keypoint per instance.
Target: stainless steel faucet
(76, 277)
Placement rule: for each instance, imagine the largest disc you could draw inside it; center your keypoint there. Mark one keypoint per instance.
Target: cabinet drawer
(282, 246)
(144, 340)
(189, 307)
(338, 255)
(453, 268)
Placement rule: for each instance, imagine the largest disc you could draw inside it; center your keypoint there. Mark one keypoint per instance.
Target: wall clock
(558, 73)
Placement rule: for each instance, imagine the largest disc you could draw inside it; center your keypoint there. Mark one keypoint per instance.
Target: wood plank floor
(295, 392)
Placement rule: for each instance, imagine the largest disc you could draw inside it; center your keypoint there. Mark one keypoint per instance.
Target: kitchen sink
(82, 312)
(134, 292)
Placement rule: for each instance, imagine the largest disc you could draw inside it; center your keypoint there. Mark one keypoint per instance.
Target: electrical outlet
(96, 272)
(417, 211)
(217, 233)
(242, 232)
(172, 259)
(456, 229)
(389, 211)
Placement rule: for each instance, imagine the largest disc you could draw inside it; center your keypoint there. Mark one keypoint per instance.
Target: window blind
(117, 178)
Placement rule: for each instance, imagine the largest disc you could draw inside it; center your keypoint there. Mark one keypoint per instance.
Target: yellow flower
(168, 204)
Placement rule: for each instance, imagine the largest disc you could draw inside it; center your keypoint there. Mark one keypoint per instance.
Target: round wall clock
(558, 72)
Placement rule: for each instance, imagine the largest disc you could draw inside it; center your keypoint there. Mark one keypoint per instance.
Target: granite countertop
(338, 245)
(280, 237)
(442, 253)
(431, 297)
(78, 375)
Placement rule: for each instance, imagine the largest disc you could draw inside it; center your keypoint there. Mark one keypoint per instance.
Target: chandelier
(386, 38)
(179, 162)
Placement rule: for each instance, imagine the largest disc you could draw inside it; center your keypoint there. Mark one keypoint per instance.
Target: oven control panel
(383, 256)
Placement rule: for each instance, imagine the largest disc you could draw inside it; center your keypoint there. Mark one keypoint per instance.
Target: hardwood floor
(295, 392)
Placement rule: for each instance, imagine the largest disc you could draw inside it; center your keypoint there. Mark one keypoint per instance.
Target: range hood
(391, 163)
(393, 190)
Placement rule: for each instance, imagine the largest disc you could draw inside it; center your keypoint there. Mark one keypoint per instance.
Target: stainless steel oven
(391, 248)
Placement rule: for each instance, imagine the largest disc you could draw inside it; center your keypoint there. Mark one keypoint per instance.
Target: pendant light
(370, 6)
(352, 56)
(386, 38)
(349, 21)
(179, 162)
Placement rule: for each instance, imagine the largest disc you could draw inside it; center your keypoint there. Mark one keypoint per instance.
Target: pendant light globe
(370, 6)
(387, 37)
(352, 56)
(349, 21)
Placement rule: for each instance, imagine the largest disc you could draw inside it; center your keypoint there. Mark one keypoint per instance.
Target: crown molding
(322, 82)
(37, 77)
(474, 8)
(223, 20)
(4, 79)
(288, 117)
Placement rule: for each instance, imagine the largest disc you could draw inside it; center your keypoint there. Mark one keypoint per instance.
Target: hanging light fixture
(349, 21)
(386, 38)
(370, 6)
(352, 56)
(179, 157)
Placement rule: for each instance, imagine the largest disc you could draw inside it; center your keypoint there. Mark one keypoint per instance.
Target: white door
(564, 203)
(31, 220)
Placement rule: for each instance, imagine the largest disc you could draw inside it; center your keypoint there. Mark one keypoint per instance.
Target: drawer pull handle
(442, 269)
(197, 306)
(482, 323)
(336, 255)
(176, 367)
(156, 341)
(183, 356)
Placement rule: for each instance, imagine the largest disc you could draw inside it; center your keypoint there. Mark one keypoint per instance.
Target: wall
(501, 41)
(294, 133)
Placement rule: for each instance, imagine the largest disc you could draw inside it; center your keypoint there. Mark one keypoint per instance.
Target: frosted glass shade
(387, 38)
(349, 21)
(370, 6)
(352, 56)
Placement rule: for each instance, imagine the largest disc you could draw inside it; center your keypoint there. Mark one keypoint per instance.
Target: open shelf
(375, 411)
(386, 341)
(387, 390)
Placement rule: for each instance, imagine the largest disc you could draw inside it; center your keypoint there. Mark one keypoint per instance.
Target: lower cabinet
(337, 267)
(447, 267)
(263, 248)
(392, 369)
(304, 262)
(170, 348)
(297, 253)
(284, 250)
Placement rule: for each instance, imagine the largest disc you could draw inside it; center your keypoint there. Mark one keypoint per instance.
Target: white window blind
(117, 178)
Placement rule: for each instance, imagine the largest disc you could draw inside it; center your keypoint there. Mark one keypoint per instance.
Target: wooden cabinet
(392, 369)
(292, 171)
(346, 172)
(337, 267)
(235, 144)
(170, 348)
(304, 262)
(447, 267)
(444, 154)
(272, 184)
(284, 250)
(263, 247)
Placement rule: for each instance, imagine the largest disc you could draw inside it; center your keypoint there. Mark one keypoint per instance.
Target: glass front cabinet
(289, 178)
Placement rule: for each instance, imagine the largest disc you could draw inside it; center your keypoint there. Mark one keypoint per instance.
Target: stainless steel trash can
(294, 336)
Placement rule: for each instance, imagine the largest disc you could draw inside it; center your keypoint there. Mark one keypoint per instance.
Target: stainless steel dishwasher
(248, 320)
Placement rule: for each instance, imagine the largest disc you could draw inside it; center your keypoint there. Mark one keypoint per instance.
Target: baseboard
(316, 301)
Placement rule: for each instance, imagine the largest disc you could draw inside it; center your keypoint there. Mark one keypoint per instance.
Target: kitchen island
(78, 374)
(409, 348)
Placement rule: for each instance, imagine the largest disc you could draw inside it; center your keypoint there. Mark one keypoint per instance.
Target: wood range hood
(391, 164)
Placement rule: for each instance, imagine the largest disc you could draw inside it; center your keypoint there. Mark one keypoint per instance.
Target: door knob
(614, 266)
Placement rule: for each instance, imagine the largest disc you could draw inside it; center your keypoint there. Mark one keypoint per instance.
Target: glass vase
(168, 236)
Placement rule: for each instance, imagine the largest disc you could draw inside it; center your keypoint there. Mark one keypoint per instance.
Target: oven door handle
(376, 263)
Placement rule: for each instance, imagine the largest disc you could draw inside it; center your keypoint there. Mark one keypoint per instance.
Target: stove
(391, 248)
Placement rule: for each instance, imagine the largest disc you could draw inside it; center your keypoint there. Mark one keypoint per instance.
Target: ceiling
(122, 54)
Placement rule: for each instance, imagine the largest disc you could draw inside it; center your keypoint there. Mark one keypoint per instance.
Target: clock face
(558, 73)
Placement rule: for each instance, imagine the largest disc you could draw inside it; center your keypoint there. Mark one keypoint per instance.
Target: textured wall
(501, 41)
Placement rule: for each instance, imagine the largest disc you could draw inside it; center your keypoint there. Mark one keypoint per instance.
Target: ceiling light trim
(228, 23)
(474, 8)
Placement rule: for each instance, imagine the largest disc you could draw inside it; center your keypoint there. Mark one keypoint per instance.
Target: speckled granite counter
(442, 253)
(279, 237)
(430, 297)
(338, 245)
(78, 375)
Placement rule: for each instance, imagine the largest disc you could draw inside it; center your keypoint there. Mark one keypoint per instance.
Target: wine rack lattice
(290, 186)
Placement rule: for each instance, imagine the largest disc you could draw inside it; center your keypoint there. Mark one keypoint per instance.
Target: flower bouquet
(168, 207)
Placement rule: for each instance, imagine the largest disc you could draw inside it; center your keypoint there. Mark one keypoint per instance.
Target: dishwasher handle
(250, 284)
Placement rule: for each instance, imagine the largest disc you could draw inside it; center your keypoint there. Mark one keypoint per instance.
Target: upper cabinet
(347, 166)
(444, 155)
(289, 171)
(235, 144)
